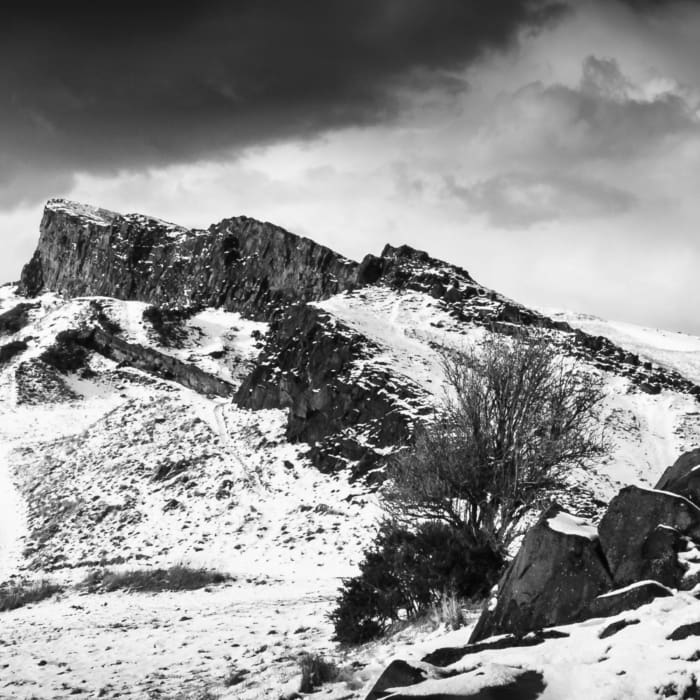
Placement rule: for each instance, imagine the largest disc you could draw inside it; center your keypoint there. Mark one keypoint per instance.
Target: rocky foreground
(635, 580)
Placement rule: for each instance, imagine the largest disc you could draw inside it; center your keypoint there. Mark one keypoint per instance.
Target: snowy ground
(132, 471)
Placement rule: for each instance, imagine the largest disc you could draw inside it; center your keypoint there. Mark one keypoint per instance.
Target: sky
(550, 147)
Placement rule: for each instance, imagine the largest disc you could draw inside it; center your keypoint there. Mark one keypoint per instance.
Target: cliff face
(351, 410)
(240, 264)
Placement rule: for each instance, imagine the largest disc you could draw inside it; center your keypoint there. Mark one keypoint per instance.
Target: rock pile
(646, 546)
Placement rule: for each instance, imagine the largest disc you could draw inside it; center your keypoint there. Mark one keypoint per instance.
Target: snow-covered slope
(674, 350)
(248, 438)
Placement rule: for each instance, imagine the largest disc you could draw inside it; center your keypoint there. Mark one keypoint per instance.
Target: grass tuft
(175, 578)
(315, 671)
(13, 596)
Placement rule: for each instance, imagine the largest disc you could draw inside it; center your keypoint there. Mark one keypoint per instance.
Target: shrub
(111, 326)
(12, 349)
(67, 354)
(167, 323)
(315, 671)
(17, 595)
(406, 572)
(175, 578)
(516, 415)
(16, 318)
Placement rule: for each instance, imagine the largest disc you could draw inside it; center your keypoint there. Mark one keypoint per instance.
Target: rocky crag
(310, 363)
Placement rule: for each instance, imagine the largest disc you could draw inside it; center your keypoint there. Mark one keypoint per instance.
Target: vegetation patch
(168, 324)
(16, 318)
(409, 574)
(175, 578)
(11, 349)
(67, 354)
(17, 595)
(315, 671)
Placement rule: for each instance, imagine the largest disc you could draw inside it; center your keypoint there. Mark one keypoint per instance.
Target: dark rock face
(554, 576)
(629, 598)
(157, 363)
(240, 264)
(315, 366)
(637, 535)
(683, 477)
(347, 413)
(69, 353)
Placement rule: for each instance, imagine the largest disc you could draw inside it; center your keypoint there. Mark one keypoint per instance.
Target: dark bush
(67, 354)
(168, 323)
(112, 327)
(16, 318)
(405, 572)
(11, 349)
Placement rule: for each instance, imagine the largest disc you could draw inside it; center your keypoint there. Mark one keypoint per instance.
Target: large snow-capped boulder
(557, 572)
(642, 532)
(683, 477)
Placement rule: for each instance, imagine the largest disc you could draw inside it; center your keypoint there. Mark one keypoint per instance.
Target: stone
(633, 544)
(239, 264)
(449, 655)
(397, 674)
(508, 684)
(628, 598)
(684, 631)
(615, 627)
(557, 572)
(683, 477)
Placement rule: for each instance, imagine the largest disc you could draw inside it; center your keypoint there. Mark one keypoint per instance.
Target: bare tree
(516, 415)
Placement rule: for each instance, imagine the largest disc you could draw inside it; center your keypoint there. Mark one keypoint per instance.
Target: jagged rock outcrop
(94, 338)
(557, 572)
(344, 407)
(641, 532)
(348, 414)
(240, 264)
(567, 571)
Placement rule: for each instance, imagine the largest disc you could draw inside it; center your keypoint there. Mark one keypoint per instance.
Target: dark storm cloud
(102, 86)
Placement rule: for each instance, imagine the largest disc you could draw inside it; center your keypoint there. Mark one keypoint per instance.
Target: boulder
(397, 674)
(683, 477)
(446, 656)
(489, 682)
(557, 572)
(637, 535)
(623, 599)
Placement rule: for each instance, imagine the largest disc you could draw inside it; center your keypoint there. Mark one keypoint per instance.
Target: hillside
(228, 398)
